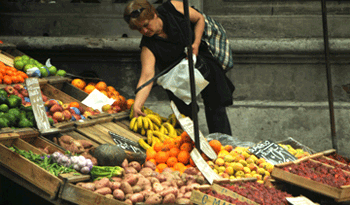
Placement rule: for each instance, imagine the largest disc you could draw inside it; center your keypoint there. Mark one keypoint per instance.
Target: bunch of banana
(140, 124)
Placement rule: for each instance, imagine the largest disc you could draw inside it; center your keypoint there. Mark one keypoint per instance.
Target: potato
(136, 189)
(154, 199)
(183, 189)
(180, 195)
(118, 194)
(169, 199)
(125, 163)
(157, 187)
(187, 195)
(168, 169)
(135, 165)
(110, 196)
(127, 196)
(104, 182)
(191, 186)
(136, 198)
(179, 183)
(146, 172)
(103, 190)
(169, 176)
(128, 201)
(200, 179)
(131, 179)
(148, 188)
(130, 170)
(191, 171)
(150, 165)
(148, 194)
(114, 185)
(170, 190)
(166, 184)
(143, 182)
(182, 201)
(126, 188)
(116, 179)
(161, 177)
(153, 180)
(88, 185)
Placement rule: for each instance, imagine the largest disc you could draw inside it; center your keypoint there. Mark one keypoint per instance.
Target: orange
(79, 83)
(3, 70)
(116, 93)
(205, 157)
(186, 147)
(183, 157)
(9, 72)
(117, 100)
(101, 86)
(7, 80)
(122, 101)
(185, 138)
(2, 64)
(0, 81)
(104, 92)
(171, 161)
(1, 76)
(179, 166)
(110, 89)
(129, 103)
(23, 74)
(92, 83)
(89, 88)
(158, 146)
(14, 79)
(161, 167)
(20, 78)
(177, 142)
(174, 152)
(150, 154)
(74, 104)
(162, 157)
(216, 145)
(192, 162)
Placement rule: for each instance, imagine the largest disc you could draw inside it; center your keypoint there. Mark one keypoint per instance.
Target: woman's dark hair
(138, 10)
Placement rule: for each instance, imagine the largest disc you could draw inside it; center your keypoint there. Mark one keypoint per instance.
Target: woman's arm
(148, 62)
(196, 18)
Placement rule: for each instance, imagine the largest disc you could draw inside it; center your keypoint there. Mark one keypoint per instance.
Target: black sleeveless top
(167, 51)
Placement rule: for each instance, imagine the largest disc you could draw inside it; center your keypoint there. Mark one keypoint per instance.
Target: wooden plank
(116, 128)
(91, 122)
(41, 142)
(104, 133)
(198, 197)
(308, 184)
(23, 145)
(30, 171)
(102, 114)
(221, 190)
(121, 115)
(72, 177)
(92, 134)
(7, 136)
(82, 196)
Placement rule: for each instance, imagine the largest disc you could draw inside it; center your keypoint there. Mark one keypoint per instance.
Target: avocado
(12, 119)
(4, 99)
(15, 112)
(3, 92)
(3, 122)
(14, 101)
(24, 122)
(4, 108)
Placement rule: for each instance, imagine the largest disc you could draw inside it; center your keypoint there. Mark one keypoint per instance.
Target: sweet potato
(153, 180)
(179, 183)
(168, 169)
(66, 139)
(125, 163)
(118, 194)
(116, 179)
(170, 190)
(103, 190)
(128, 201)
(161, 177)
(87, 185)
(166, 184)
(169, 199)
(104, 182)
(191, 186)
(143, 182)
(136, 189)
(114, 185)
(157, 187)
(85, 143)
(135, 165)
(154, 199)
(187, 195)
(148, 194)
(200, 179)
(136, 198)
(147, 188)
(146, 172)
(131, 179)
(126, 188)
(110, 196)
(191, 171)
(150, 164)
(182, 201)
(130, 170)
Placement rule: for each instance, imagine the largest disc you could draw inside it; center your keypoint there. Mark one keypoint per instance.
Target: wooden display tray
(26, 169)
(338, 194)
(78, 195)
(6, 58)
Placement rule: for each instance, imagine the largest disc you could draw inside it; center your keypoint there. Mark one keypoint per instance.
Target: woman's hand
(138, 111)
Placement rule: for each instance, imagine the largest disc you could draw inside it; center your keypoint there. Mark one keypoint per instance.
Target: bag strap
(161, 73)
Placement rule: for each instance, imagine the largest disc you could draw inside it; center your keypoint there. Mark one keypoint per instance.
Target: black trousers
(216, 116)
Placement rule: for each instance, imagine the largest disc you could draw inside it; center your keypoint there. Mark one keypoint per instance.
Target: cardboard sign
(38, 106)
(187, 125)
(300, 200)
(203, 166)
(272, 152)
(222, 190)
(198, 197)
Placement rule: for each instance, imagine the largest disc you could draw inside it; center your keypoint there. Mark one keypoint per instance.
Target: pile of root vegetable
(141, 183)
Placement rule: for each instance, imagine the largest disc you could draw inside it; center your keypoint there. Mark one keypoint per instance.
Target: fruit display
(141, 183)
(225, 197)
(10, 75)
(238, 162)
(173, 153)
(34, 68)
(298, 153)
(339, 158)
(333, 163)
(313, 170)
(259, 193)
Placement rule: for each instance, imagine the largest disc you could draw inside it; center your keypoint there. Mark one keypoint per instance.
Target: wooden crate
(6, 58)
(78, 195)
(338, 194)
(26, 169)
(198, 197)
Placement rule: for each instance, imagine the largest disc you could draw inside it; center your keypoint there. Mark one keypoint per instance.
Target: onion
(74, 159)
(82, 163)
(85, 170)
(76, 167)
(88, 162)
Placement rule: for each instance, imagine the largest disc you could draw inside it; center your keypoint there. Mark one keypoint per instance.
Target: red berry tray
(316, 175)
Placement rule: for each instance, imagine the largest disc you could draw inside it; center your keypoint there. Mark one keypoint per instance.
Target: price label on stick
(187, 125)
(38, 106)
(272, 152)
(203, 166)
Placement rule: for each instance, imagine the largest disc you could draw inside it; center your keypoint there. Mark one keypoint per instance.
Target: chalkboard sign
(38, 106)
(272, 152)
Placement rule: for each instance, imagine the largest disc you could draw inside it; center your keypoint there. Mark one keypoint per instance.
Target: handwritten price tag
(203, 166)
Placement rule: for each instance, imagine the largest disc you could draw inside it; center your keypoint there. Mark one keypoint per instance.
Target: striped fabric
(215, 36)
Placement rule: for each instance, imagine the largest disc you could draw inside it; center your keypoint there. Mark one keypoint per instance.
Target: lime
(52, 70)
(25, 62)
(4, 108)
(32, 61)
(18, 64)
(61, 73)
(28, 66)
(25, 57)
(17, 58)
(44, 72)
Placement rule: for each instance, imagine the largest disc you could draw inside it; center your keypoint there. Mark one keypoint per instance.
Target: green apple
(61, 73)
(52, 70)
(18, 64)
(44, 72)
